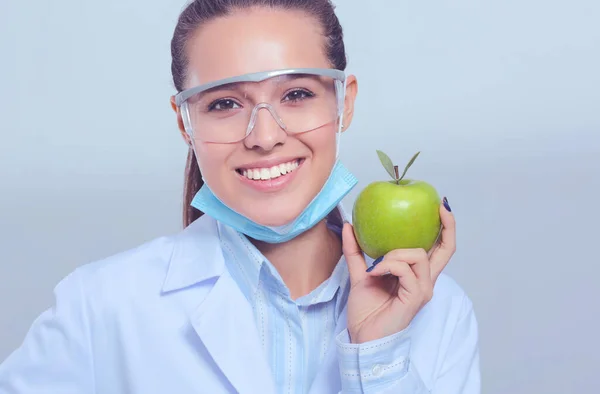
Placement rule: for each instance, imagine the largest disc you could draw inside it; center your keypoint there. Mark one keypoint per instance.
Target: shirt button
(377, 370)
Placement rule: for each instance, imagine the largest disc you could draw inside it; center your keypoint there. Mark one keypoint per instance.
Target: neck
(305, 261)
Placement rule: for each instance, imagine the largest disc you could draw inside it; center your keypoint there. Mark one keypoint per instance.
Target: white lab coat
(166, 317)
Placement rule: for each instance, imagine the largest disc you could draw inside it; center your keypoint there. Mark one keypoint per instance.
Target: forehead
(252, 41)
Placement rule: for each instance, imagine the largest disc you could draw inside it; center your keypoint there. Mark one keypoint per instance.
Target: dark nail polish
(446, 205)
(371, 268)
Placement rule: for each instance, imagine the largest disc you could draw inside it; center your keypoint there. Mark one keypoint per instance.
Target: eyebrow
(237, 86)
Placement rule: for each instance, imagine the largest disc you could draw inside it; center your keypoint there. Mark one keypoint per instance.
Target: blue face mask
(338, 185)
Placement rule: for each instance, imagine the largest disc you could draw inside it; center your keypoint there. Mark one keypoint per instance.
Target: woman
(267, 291)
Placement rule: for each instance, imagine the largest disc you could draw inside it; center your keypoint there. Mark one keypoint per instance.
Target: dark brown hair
(201, 11)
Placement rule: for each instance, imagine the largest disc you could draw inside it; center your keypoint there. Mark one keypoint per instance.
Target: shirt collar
(250, 269)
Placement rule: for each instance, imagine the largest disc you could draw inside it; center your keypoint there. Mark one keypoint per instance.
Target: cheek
(323, 146)
(211, 160)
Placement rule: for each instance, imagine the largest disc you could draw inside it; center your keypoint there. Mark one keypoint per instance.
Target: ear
(184, 134)
(351, 92)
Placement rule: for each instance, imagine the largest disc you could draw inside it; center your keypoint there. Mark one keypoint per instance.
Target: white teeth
(265, 174)
(270, 173)
(275, 172)
(283, 169)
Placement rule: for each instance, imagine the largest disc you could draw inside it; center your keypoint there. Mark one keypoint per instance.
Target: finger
(417, 258)
(447, 245)
(436, 244)
(402, 270)
(354, 256)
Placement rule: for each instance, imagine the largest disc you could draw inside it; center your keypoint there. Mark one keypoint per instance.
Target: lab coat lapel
(225, 323)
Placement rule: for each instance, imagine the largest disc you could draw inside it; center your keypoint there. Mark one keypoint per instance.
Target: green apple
(397, 214)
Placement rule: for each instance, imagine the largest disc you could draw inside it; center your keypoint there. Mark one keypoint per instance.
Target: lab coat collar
(196, 255)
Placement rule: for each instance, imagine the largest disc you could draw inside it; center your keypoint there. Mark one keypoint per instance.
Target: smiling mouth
(265, 174)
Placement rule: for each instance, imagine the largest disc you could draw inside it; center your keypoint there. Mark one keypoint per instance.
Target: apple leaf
(387, 164)
(410, 163)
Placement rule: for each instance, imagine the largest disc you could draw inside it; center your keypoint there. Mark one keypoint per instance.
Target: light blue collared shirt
(296, 334)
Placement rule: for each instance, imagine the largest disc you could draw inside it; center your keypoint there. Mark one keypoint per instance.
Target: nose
(266, 129)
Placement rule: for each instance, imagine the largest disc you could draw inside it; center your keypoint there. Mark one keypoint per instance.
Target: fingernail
(371, 268)
(446, 205)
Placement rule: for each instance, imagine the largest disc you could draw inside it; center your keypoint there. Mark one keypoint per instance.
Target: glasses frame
(182, 96)
(337, 75)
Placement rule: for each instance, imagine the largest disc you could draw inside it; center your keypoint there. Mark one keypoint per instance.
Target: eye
(297, 95)
(223, 105)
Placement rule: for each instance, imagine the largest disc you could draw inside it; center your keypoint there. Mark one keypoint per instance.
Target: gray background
(502, 98)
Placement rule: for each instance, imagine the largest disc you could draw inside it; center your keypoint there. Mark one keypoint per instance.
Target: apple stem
(397, 174)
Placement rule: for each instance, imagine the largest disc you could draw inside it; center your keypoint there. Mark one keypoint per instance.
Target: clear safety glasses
(226, 111)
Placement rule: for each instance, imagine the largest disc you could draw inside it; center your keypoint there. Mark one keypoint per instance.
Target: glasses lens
(302, 102)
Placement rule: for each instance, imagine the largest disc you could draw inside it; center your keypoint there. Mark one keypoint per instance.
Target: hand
(380, 304)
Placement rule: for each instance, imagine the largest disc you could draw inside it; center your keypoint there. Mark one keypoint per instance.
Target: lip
(268, 163)
(272, 185)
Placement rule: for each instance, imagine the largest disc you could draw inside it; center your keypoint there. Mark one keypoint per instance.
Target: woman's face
(253, 41)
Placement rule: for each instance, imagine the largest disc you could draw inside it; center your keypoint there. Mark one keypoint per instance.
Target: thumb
(354, 257)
